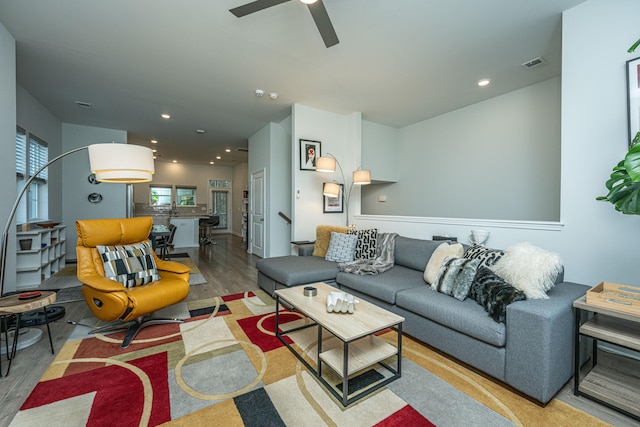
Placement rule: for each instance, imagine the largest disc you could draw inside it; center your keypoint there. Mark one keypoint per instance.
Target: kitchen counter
(187, 228)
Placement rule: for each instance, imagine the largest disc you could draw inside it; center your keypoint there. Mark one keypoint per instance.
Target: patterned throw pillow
(455, 277)
(494, 294)
(487, 257)
(437, 258)
(341, 247)
(367, 243)
(131, 265)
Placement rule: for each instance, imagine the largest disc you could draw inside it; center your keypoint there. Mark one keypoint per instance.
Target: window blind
(21, 152)
(38, 157)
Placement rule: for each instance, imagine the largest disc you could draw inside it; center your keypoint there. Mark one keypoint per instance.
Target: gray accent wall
(497, 159)
(7, 139)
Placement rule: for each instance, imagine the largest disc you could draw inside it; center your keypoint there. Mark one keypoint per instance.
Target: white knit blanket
(382, 262)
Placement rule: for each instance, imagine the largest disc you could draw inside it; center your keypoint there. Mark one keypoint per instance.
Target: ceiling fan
(316, 7)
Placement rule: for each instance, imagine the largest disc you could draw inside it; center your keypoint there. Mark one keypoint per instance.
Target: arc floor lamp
(332, 189)
(110, 162)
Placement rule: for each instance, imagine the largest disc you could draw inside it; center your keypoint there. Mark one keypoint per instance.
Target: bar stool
(205, 227)
(14, 305)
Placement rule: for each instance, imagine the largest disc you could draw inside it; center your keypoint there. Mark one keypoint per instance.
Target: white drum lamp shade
(326, 164)
(331, 189)
(121, 163)
(361, 177)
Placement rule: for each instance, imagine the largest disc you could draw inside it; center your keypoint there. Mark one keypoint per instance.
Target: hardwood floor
(228, 269)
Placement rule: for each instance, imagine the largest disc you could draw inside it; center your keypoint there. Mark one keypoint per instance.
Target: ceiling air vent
(83, 104)
(535, 63)
(242, 149)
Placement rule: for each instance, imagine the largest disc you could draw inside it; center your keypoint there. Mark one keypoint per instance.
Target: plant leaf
(624, 193)
(632, 162)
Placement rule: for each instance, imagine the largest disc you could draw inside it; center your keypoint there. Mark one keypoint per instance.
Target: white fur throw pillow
(437, 259)
(529, 269)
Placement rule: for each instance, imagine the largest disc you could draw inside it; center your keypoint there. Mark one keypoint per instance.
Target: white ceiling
(398, 62)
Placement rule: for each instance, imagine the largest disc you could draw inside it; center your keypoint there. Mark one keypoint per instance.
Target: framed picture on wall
(334, 204)
(633, 100)
(309, 152)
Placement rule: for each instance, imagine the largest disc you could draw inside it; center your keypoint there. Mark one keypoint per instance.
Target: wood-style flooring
(228, 269)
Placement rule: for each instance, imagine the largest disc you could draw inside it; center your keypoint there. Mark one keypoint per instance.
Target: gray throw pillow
(494, 294)
(341, 247)
(455, 277)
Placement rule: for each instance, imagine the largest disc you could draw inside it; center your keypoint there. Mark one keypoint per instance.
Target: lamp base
(27, 338)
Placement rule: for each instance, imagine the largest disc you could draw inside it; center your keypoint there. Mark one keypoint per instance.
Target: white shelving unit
(46, 257)
(245, 216)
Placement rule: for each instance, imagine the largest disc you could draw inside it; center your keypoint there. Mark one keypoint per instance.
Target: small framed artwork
(334, 204)
(633, 100)
(309, 152)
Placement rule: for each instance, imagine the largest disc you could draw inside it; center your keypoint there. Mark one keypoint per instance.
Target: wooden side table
(617, 386)
(13, 306)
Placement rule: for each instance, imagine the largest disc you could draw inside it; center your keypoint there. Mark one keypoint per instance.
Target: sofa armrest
(539, 357)
(305, 249)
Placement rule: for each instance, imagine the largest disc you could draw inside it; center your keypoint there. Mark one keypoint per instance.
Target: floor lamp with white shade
(110, 162)
(332, 189)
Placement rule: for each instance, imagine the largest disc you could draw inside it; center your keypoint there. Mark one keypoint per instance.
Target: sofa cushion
(466, 316)
(488, 257)
(323, 237)
(530, 269)
(455, 277)
(342, 247)
(131, 265)
(437, 259)
(383, 286)
(414, 253)
(367, 242)
(297, 270)
(494, 294)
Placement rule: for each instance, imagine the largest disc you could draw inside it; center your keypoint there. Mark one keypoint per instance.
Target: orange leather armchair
(111, 301)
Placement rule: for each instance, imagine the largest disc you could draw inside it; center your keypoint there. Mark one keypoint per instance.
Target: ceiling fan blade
(321, 18)
(254, 6)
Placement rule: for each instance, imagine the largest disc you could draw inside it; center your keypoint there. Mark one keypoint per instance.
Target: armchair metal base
(132, 327)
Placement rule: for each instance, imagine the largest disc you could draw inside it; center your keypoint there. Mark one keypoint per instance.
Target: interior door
(257, 213)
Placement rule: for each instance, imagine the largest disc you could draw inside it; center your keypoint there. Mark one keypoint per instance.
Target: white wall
(37, 120)
(596, 242)
(339, 135)
(7, 138)
(497, 159)
(270, 150)
(75, 186)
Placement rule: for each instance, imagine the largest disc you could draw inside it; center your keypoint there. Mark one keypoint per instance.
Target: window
(160, 195)
(32, 153)
(186, 196)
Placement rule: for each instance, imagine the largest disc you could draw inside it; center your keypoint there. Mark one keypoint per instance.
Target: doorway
(220, 208)
(257, 213)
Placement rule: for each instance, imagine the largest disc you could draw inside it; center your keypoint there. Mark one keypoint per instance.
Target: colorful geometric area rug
(224, 366)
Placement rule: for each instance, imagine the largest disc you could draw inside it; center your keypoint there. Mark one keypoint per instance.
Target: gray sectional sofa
(532, 351)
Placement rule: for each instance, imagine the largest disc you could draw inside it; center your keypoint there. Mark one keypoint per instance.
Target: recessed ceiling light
(484, 82)
(228, 150)
(308, 1)
(201, 131)
(154, 150)
(211, 163)
(175, 161)
(166, 116)
(218, 157)
(154, 141)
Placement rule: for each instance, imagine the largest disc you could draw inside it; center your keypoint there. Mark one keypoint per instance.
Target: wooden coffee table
(361, 348)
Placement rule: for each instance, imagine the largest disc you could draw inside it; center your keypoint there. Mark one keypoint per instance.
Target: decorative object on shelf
(309, 153)
(478, 237)
(25, 244)
(110, 162)
(92, 179)
(333, 203)
(48, 224)
(332, 189)
(341, 302)
(95, 198)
